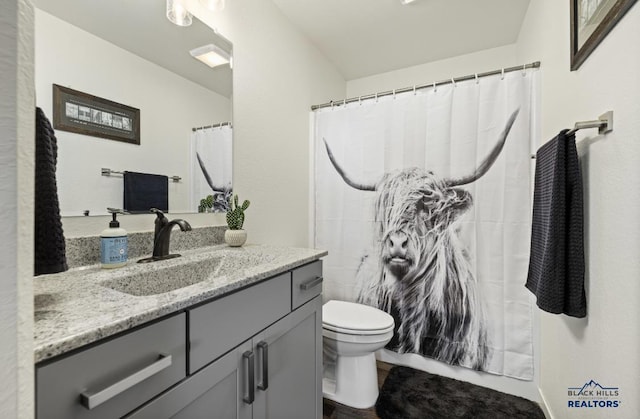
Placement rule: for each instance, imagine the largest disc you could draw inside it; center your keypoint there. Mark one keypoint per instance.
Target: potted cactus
(235, 236)
(206, 204)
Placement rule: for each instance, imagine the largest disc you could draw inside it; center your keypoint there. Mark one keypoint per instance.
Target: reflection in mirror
(212, 147)
(128, 52)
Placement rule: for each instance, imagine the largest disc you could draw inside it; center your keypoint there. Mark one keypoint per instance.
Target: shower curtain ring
(376, 98)
(502, 76)
(477, 81)
(360, 100)
(414, 89)
(394, 94)
(524, 70)
(435, 87)
(453, 81)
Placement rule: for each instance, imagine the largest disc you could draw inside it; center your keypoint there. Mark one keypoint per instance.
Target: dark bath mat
(413, 394)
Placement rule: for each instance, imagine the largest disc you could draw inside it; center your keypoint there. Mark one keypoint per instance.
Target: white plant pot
(235, 238)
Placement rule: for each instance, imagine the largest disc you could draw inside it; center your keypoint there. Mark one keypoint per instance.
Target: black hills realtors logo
(592, 394)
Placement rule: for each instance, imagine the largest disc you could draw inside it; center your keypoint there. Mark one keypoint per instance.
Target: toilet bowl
(351, 334)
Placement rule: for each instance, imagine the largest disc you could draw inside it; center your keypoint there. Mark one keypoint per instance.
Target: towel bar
(109, 172)
(604, 123)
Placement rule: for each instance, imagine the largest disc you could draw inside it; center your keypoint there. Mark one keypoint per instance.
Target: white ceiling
(366, 37)
(140, 27)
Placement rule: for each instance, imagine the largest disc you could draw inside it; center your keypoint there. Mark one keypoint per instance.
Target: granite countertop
(77, 307)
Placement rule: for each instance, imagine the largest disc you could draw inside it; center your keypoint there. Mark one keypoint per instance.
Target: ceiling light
(405, 2)
(213, 5)
(211, 55)
(177, 14)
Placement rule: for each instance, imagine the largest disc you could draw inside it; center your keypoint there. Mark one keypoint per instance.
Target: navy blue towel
(143, 191)
(49, 249)
(556, 266)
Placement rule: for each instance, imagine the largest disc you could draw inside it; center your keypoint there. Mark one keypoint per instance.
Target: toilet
(351, 334)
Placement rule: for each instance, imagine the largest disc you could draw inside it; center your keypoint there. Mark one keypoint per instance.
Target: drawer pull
(249, 393)
(91, 400)
(307, 285)
(263, 351)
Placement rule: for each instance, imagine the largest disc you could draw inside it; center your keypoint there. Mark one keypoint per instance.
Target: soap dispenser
(113, 243)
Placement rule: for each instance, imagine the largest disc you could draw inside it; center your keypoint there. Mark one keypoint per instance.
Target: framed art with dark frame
(86, 114)
(591, 21)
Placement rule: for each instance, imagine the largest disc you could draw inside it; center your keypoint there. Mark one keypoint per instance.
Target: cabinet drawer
(223, 324)
(306, 283)
(112, 378)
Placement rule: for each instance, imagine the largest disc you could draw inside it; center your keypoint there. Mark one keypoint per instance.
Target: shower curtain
(425, 212)
(211, 170)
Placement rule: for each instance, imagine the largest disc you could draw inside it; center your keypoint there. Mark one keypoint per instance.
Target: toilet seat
(383, 336)
(355, 319)
(357, 332)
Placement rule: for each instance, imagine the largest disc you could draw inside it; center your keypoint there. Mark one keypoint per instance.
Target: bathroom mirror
(128, 52)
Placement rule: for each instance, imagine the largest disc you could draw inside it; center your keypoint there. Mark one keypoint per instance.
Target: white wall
(16, 209)
(462, 65)
(278, 75)
(604, 346)
(170, 106)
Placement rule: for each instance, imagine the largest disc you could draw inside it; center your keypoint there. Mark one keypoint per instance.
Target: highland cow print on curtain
(211, 169)
(423, 201)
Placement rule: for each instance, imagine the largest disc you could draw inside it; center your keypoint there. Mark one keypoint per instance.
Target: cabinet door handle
(263, 351)
(249, 394)
(307, 285)
(91, 400)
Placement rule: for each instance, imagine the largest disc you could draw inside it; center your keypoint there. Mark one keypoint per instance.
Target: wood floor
(333, 410)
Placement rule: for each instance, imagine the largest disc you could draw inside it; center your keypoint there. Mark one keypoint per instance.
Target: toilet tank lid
(354, 316)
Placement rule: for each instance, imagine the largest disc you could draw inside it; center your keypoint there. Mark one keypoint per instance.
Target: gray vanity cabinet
(252, 354)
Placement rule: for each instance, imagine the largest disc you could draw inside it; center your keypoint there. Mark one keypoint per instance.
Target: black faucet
(162, 236)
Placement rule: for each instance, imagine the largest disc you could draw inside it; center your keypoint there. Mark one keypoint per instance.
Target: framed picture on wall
(591, 21)
(86, 114)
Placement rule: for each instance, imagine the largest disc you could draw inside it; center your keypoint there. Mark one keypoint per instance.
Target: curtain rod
(535, 64)
(221, 124)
